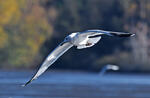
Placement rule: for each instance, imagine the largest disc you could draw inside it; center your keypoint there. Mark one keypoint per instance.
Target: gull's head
(70, 37)
(67, 39)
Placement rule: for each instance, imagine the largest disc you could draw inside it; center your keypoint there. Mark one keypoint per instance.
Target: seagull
(108, 67)
(81, 40)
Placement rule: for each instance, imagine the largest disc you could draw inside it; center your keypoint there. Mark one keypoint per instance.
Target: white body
(81, 41)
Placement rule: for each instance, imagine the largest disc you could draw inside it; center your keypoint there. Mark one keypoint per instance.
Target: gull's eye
(66, 38)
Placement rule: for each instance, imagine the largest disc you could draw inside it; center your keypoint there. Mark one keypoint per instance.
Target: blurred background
(31, 29)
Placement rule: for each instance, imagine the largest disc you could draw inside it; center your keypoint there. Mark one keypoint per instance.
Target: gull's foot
(88, 44)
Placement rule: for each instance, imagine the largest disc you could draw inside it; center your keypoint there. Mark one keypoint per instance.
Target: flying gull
(81, 40)
(108, 67)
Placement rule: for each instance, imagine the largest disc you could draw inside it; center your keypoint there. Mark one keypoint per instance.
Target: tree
(23, 30)
(137, 21)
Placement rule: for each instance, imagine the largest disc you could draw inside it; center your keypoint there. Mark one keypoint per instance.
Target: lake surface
(67, 84)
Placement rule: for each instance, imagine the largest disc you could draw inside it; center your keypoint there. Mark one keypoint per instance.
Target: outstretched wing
(53, 56)
(96, 33)
(120, 34)
(90, 33)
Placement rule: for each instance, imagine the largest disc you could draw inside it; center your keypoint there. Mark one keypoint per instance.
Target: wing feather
(101, 32)
(52, 57)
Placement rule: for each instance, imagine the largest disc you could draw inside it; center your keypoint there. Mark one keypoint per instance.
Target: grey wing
(94, 33)
(90, 33)
(120, 34)
(53, 56)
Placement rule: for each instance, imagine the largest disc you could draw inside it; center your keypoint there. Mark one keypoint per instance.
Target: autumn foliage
(24, 27)
(30, 29)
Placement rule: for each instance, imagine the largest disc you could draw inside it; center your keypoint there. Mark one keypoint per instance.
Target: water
(67, 84)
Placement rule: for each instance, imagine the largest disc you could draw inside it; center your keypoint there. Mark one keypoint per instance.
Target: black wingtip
(126, 35)
(122, 34)
(27, 83)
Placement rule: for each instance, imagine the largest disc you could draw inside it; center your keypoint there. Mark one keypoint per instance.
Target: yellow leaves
(9, 10)
(37, 21)
(22, 3)
(38, 29)
(33, 46)
(131, 9)
(3, 38)
(24, 27)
